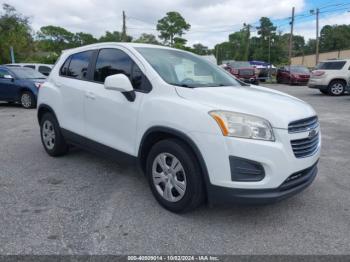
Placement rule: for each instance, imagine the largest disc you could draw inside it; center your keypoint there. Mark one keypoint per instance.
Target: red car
(293, 75)
(244, 71)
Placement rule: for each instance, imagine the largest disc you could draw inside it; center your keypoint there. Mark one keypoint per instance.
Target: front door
(111, 119)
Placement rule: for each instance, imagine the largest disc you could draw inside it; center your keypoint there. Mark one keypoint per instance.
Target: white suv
(198, 134)
(331, 77)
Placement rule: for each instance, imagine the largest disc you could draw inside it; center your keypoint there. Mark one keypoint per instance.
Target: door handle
(90, 95)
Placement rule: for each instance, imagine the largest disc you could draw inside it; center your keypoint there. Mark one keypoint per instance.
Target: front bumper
(300, 81)
(289, 188)
(277, 159)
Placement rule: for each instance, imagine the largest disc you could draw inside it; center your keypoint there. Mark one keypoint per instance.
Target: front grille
(303, 125)
(305, 147)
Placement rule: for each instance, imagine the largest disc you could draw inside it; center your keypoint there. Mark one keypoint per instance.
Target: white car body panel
(106, 116)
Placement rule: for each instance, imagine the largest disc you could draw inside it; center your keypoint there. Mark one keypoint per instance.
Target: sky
(211, 20)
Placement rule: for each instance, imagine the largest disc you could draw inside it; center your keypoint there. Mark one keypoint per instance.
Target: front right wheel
(175, 176)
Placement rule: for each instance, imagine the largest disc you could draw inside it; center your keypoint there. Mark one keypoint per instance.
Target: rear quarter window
(334, 65)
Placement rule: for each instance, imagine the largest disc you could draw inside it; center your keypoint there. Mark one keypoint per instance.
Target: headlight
(243, 125)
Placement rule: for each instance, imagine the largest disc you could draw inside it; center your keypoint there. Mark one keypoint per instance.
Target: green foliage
(170, 26)
(334, 38)
(15, 32)
(80, 39)
(147, 39)
(200, 49)
(54, 38)
(114, 36)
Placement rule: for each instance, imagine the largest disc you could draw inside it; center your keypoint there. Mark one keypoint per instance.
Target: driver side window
(114, 61)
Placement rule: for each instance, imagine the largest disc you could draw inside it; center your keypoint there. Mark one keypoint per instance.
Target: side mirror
(118, 82)
(121, 83)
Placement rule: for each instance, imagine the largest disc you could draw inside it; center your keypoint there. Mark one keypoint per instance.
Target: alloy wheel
(337, 89)
(26, 100)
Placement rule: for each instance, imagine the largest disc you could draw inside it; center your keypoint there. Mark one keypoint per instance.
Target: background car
(331, 77)
(242, 70)
(20, 84)
(294, 74)
(45, 69)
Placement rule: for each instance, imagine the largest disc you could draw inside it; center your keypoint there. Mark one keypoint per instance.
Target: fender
(44, 108)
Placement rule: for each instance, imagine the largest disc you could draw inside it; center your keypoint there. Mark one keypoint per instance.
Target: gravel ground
(85, 204)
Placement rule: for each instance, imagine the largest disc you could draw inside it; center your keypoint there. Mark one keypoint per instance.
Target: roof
(116, 44)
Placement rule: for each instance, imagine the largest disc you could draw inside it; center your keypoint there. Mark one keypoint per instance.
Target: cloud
(211, 21)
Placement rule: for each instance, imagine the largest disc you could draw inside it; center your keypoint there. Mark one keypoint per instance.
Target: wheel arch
(338, 79)
(44, 108)
(158, 133)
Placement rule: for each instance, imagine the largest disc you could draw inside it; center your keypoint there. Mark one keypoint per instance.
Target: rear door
(7, 86)
(73, 83)
(111, 119)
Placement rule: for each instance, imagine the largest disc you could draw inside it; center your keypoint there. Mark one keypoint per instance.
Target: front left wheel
(175, 176)
(51, 136)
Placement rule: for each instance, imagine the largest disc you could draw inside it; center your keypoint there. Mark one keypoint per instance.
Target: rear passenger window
(30, 66)
(336, 65)
(114, 61)
(45, 70)
(78, 65)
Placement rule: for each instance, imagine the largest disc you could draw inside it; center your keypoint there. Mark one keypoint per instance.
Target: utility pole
(291, 38)
(124, 29)
(317, 37)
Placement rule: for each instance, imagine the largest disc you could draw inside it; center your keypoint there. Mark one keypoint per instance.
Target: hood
(278, 108)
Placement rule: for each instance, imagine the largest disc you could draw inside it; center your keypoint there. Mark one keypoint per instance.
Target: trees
(15, 31)
(55, 38)
(114, 36)
(147, 39)
(80, 39)
(172, 25)
(334, 38)
(200, 49)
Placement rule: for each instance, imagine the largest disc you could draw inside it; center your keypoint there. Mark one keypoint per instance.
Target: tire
(278, 80)
(325, 92)
(28, 100)
(51, 136)
(336, 88)
(184, 182)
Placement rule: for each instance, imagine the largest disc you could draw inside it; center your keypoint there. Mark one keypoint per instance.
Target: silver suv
(331, 77)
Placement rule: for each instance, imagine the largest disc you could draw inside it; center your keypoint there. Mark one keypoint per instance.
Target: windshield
(184, 69)
(299, 69)
(27, 73)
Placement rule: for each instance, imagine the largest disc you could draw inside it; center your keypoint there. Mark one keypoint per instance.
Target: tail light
(318, 73)
(38, 85)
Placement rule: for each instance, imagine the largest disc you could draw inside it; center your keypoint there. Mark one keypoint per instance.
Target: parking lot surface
(86, 204)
